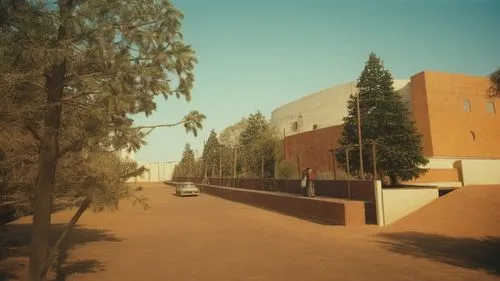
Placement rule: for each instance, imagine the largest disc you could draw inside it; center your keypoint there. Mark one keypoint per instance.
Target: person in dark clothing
(304, 182)
(307, 182)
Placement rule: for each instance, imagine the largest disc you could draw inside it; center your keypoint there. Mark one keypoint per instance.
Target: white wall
(325, 108)
(441, 163)
(158, 171)
(396, 203)
(480, 171)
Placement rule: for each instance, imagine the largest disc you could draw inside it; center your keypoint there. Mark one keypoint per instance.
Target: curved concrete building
(323, 109)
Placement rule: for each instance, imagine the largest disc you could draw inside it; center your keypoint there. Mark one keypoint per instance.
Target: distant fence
(352, 190)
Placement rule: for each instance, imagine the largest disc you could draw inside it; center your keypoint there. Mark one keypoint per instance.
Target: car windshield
(187, 185)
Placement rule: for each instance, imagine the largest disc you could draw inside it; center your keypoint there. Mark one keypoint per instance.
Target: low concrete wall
(354, 190)
(396, 203)
(324, 210)
(480, 171)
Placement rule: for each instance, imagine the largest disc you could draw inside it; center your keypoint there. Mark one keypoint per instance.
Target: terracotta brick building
(459, 124)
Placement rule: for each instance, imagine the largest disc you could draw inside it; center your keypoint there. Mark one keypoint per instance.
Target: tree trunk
(393, 179)
(47, 163)
(71, 224)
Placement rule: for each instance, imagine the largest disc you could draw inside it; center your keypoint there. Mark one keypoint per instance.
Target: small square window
(315, 126)
(490, 107)
(467, 105)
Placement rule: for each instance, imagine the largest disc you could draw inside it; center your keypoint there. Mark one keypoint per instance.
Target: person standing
(304, 182)
(311, 177)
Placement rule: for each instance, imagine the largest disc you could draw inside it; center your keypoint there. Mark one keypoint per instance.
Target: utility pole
(190, 169)
(234, 162)
(334, 164)
(348, 173)
(245, 167)
(298, 157)
(374, 156)
(204, 161)
(360, 142)
(262, 167)
(220, 164)
(284, 145)
(262, 173)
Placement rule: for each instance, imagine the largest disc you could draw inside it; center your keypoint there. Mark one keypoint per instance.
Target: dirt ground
(207, 238)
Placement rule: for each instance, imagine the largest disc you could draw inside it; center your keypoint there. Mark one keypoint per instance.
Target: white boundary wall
(158, 172)
(480, 171)
(395, 203)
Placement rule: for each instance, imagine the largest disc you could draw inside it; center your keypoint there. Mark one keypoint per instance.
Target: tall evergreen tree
(187, 165)
(211, 154)
(386, 120)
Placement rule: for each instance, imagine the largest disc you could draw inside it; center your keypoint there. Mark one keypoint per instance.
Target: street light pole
(360, 142)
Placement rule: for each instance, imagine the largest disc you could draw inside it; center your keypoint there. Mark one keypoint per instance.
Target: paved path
(207, 238)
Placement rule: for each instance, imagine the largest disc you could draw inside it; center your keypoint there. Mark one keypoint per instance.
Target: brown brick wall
(313, 148)
(328, 211)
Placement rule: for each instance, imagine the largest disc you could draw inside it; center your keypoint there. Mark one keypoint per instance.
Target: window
(490, 107)
(467, 105)
(315, 126)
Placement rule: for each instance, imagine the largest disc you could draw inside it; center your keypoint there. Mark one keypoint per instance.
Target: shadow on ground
(15, 240)
(476, 254)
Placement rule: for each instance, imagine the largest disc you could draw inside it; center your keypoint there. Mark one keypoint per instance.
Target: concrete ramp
(468, 211)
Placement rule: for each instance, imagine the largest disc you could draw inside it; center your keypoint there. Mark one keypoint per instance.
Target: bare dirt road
(207, 238)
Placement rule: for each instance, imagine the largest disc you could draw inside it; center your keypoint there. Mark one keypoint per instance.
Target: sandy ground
(207, 238)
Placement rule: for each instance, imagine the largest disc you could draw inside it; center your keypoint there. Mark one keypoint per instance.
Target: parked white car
(187, 189)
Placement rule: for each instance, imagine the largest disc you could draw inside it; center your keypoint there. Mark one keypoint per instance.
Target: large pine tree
(187, 164)
(211, 154)
(386, 120)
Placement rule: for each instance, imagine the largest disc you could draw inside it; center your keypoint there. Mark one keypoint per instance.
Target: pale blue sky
(262, 54)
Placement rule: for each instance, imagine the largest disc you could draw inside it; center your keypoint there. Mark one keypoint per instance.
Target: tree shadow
(15, 241)
(477, 254)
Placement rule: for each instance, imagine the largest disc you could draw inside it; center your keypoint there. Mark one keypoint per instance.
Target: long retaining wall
(322, 210)
(341, 189)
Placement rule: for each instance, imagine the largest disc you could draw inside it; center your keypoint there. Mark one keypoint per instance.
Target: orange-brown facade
(451, 111)
(455, 116)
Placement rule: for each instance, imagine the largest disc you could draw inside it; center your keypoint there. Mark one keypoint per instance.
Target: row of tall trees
(248, 148)
(72, 73)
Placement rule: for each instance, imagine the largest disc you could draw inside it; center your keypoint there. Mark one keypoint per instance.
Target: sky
(259, 55)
